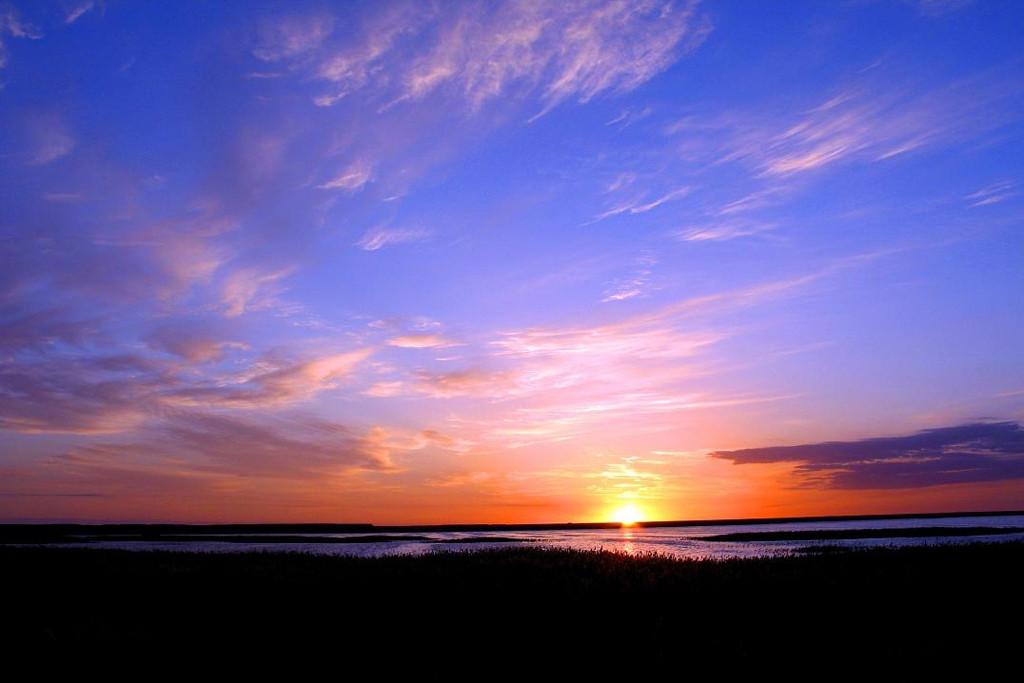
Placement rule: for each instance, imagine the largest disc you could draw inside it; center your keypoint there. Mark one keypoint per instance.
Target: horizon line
(362, 527)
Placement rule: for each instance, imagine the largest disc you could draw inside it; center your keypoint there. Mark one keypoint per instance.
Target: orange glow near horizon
(628, 514)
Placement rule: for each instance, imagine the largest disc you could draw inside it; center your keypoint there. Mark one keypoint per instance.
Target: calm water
(676, 541)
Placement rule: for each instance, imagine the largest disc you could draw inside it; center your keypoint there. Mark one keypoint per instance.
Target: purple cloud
(977, 452)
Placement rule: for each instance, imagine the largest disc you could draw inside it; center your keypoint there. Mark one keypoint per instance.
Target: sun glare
(628, 514)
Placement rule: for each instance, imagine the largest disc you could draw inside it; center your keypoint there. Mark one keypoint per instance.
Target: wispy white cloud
(614, 211)
(639, 205)
(754, 201)
(775, 155)
(363, 62)
(351, 179)
(482, 51)
(629, 116)
(873, 124)
(566, 420)
(621, 180)
(76, 11)
(993, 194)
(655, 203)
(638, 284)
(722, 230)
(12, 24)
(379, 238)
(626, 290)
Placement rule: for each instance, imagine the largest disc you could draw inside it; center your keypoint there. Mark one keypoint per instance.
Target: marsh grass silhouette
(569, 613)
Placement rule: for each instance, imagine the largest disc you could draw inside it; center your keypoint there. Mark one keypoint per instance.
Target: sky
(418, 262)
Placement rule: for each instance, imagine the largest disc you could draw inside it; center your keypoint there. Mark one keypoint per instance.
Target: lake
(683, 541)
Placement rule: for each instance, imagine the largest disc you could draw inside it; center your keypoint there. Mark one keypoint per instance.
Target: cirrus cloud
(479, 51)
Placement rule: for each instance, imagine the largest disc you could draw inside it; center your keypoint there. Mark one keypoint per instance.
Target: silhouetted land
(524, 611)
(839, 534)
(362, 538)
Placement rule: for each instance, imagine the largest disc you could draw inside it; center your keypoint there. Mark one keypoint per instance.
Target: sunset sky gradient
(510, 262)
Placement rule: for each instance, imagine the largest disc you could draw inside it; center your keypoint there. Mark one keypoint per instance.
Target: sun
(628, 514)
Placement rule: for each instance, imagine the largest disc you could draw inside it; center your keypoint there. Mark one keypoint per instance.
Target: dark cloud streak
(968, 453)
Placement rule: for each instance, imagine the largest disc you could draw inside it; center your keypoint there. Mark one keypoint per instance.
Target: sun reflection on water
(628, 545)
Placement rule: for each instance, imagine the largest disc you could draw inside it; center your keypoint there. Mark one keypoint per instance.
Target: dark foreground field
(524, 611)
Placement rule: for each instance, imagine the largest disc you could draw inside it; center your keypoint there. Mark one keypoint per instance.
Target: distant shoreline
(49, 532)
(855, 534)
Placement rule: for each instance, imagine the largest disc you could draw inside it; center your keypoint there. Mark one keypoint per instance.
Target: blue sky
(527, 261)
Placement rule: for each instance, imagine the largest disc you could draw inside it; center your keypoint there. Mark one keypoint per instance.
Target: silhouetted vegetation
(524, 610)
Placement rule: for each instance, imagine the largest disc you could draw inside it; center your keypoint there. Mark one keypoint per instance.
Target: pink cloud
(421, 341)
(275, 385)
(249, 289)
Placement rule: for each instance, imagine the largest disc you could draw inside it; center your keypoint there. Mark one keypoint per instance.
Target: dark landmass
(56, 533)
(841, 534)
(257, 538)
(896, 613)
(367, 538)
(43, 537)
(483, 539)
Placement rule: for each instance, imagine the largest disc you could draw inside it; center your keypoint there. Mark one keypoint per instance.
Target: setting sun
(628, 514)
